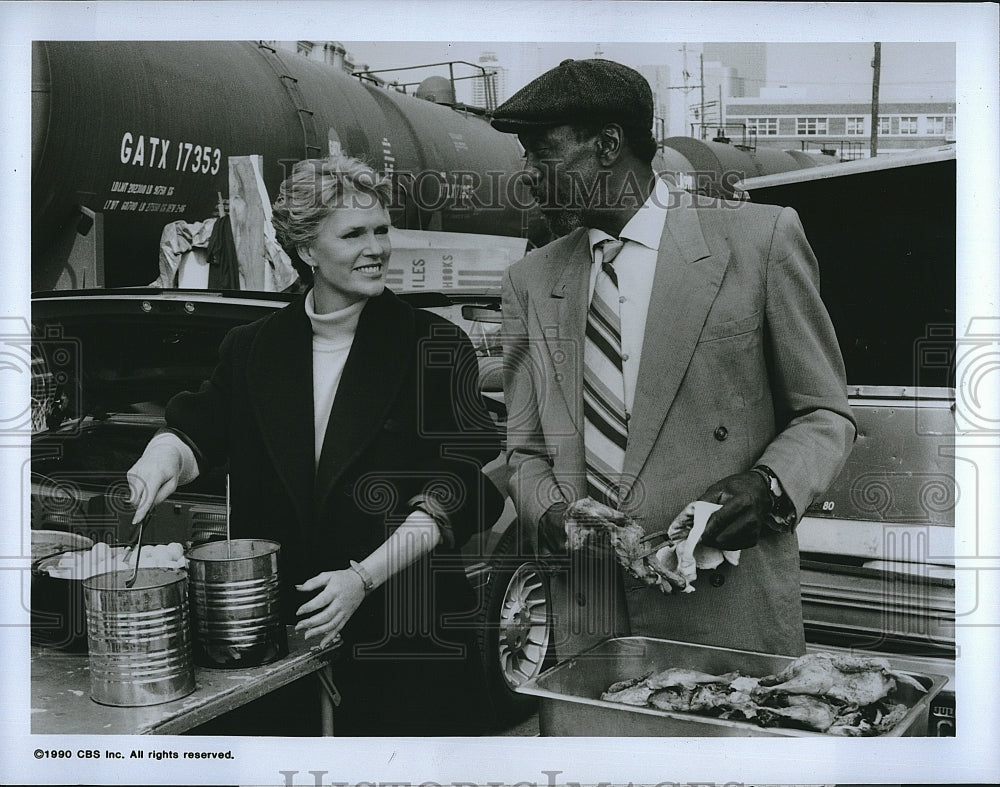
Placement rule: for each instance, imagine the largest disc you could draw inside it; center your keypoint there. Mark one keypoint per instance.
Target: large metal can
(235, 603)
(139, 637)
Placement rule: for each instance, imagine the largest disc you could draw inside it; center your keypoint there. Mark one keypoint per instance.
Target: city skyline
(684, 87)
(910, 71)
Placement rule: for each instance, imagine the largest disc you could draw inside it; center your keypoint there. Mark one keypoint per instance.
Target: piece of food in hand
(664, 563)
(686, 532)
(589, 522)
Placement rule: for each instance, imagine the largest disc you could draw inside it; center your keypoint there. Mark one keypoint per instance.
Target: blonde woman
(355, 435)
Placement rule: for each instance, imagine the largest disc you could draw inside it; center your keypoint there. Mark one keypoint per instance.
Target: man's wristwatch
(782, 514)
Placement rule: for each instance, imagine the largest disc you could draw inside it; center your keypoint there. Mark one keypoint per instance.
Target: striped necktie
(605, 433)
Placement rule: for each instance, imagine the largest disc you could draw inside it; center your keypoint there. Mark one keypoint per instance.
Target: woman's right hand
(340, 594)
(153, 478)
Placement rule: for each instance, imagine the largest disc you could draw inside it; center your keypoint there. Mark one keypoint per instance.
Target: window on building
(935, 125)
(884, 125)
(763, 127)
(810, 126)
(856, 125)
(907, 125)
(949, 127)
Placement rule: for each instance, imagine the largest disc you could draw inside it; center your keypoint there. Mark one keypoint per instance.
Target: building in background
(842, 129)
(749, 60)
(707, 108)
(744, 104)
(330, 52)
(490, 91)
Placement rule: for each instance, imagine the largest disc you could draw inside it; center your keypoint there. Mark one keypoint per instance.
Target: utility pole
(684, 72)
(877, 75)
(701, 60)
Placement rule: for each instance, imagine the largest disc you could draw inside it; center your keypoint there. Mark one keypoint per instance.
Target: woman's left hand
(340, 594)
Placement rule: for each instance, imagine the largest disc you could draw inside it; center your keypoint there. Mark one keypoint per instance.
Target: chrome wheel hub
(524, 632)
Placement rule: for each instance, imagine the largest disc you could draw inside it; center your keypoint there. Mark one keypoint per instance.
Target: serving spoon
(137, 548)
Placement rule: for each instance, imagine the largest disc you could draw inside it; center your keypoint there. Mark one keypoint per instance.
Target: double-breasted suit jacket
(408, 420)
(740, 365)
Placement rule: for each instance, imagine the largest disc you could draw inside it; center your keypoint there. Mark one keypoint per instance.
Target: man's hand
(552, 530)
(746, 502)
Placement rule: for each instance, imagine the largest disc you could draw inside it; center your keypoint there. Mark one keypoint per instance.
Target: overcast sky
(916, 71)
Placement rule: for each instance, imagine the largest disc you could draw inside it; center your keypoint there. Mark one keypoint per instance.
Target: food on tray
(629, 692)
(102, 558)
(799, 710)
(587, 521)
(853, 680)
(688, 678)
(825, 692)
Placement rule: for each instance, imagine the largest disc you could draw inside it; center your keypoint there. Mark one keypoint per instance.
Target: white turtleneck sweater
(332, 337)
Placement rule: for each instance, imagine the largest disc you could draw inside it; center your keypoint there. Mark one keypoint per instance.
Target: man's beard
(562, 221)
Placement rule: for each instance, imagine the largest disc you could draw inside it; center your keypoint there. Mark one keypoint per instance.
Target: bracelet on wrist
(366, 578)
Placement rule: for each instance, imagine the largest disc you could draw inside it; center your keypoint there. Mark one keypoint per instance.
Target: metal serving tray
(568, 692)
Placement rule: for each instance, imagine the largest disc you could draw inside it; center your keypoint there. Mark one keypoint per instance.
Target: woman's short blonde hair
(314, 190)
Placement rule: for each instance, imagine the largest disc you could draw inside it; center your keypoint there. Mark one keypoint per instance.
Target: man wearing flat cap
(666, 348)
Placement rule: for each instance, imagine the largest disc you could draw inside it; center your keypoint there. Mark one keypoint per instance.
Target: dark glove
(746, 503)
(552, 530)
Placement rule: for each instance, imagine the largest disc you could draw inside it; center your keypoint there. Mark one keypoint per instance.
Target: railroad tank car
(716, 167)
(140, 132)
(671, 165)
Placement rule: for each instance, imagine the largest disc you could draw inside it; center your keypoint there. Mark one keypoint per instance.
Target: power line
(775, 83)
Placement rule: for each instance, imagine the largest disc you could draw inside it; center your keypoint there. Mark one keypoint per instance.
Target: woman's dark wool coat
(408, 420)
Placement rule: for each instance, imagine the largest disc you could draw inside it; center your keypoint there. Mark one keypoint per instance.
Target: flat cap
(575, 91)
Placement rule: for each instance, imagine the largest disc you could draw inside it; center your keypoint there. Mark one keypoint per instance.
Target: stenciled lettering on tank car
(198, 159)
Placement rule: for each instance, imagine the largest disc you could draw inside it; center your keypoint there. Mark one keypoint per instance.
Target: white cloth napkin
(685, 532)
